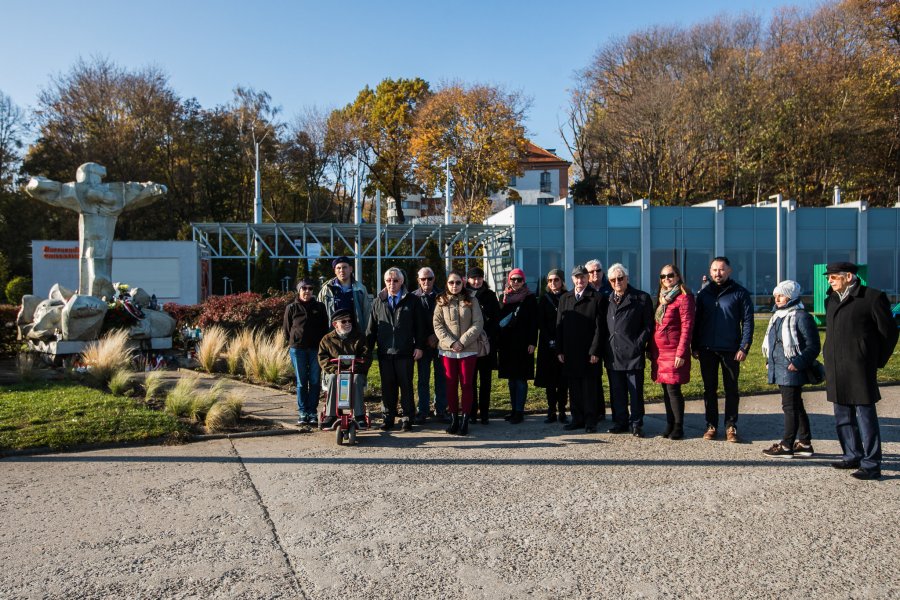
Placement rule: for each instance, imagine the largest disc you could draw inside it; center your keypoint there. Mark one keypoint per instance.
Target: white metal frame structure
(366, 242)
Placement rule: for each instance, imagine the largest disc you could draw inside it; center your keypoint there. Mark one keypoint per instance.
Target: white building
(544, 180)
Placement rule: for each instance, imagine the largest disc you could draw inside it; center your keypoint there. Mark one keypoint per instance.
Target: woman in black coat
(484, 366)
(549, 370)
(517, 340)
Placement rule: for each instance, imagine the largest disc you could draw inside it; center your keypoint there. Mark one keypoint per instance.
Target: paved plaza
(508, 512)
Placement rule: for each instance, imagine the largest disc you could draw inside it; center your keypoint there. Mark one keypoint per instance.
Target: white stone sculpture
(47, 318)
(98, 206)
(58, 292)
(82, 318)
(26, 314)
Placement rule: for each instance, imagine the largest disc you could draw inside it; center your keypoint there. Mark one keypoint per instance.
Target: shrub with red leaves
(8, 343)
(185, 315)
(247, 310)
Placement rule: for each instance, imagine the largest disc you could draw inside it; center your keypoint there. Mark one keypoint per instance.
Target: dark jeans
(584, 401)
(429, 362)
(674, 401)
(309, 379)
(557, 395)
(796, 421)
(709, 370)
(481, 387)
(622, 386)
(859, 434)
(518, 392)
(396, 374)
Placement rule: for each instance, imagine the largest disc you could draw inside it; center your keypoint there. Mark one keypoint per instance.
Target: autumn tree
(382, 122)
(12, 128)
(480, 130)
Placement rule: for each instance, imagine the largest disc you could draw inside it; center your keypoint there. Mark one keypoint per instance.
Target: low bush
(185, 315)
(210, 347)
(245, 311)
(16, 288)
(107, 355)
(9, 345)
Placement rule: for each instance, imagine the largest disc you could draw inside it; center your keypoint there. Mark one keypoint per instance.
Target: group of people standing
(458, 336)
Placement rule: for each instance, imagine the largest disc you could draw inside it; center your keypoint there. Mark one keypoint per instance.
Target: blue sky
(322, 53)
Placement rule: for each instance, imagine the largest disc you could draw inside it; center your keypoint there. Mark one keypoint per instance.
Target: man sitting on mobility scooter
(345, 339)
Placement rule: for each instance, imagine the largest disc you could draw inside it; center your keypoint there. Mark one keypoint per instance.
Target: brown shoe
(710, 433)
(731, 434)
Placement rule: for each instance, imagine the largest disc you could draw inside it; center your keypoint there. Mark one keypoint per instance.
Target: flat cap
(579, 270)
(841, 267)
(475, 272)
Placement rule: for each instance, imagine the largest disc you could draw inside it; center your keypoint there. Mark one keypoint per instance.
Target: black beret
(475, 272)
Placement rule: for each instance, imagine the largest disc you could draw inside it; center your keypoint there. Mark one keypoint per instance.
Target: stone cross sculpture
(98, 206)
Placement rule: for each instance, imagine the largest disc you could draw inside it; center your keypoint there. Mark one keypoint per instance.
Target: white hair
(426, 271)
(618, 267)
(397, 272)
(593, 263)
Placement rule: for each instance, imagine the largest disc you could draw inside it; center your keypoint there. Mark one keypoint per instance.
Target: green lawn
(61, 415)
(752, 379)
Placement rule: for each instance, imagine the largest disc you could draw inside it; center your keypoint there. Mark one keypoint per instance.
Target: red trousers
(459, 371)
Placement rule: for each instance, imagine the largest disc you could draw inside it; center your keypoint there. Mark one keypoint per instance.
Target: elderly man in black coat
(580, 331)
(629, 319)
(860, 336)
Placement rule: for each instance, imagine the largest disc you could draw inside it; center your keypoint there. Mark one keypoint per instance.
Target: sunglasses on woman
(517, 279)
(667, 275)
(454, 282)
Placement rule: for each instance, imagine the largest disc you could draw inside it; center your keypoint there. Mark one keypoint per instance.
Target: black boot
(454, 423)
(516, 418)
(677, 432)
(551, 418)
(668, 430)
(464, 426)
(510, 416)
(562, 417)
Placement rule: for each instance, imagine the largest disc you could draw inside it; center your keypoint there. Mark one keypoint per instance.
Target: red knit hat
(516, 273)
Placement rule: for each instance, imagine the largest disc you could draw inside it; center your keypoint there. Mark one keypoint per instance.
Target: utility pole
(778, 258)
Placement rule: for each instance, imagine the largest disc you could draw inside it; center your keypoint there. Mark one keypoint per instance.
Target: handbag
(816, 373)
(484, 344)
(510, 319)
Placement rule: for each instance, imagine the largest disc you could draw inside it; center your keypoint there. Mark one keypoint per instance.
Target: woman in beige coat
(457, 325)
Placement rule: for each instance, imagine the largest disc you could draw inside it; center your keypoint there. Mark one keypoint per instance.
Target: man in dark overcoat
(630, 322)
(580, 331)
(860, 336)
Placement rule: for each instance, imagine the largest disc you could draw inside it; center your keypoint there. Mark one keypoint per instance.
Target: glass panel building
(645, 237)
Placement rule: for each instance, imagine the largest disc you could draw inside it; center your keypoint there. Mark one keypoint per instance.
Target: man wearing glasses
(396, 325)
(343, 292)
(596, 279)
(723, 333)
(430, 361)
(629, 321)
(860, 337)
(305, 324)
(484, 365)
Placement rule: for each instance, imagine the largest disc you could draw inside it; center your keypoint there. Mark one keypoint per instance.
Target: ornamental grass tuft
(180, 399)
(211, 346)
(153, 384)
(237, 349)
(223, 414)
(121, 383)
(267, 360)
(104, 357)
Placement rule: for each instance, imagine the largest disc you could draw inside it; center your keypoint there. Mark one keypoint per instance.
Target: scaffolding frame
(242, 241)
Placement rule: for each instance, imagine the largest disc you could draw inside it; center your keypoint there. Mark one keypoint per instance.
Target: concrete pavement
(508, 512)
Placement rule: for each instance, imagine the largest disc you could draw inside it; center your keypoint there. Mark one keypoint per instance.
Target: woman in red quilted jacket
(670, 350)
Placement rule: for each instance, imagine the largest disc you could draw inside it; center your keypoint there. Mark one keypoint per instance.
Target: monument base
(67, 348)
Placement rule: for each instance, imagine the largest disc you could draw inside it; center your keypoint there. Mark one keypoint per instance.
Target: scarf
(511, 296)
(664, 301)
(790, 340)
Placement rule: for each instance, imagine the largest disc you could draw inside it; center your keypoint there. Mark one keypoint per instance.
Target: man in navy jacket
(723, 333)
